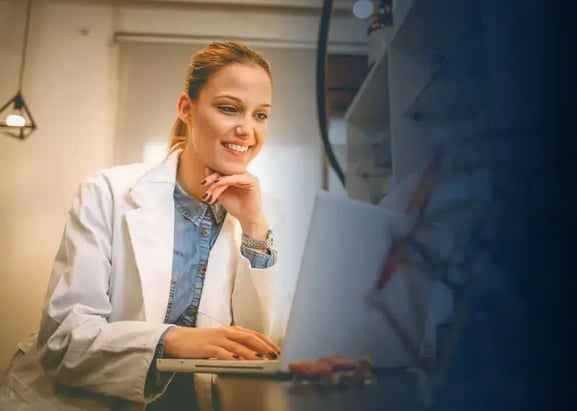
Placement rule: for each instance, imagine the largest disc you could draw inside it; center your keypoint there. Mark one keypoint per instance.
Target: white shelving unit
(427, 89)
(430, 90)
(372, 93)
(368, 131)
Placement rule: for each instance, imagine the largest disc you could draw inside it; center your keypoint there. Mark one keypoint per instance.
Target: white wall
(71, 87)
(69, 90)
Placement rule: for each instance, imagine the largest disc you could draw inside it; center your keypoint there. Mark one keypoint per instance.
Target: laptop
(346, 245)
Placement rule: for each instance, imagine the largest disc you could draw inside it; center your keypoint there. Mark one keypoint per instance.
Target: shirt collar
(195, 210)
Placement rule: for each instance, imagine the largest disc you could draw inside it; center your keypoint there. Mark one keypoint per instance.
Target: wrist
(257, 229)
(170, 340)
(263, 245)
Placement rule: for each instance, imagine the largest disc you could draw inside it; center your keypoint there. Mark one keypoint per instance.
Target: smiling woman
(174, 259)
(221, 127)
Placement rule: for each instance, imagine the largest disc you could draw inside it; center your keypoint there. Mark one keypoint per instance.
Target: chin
(229, 169)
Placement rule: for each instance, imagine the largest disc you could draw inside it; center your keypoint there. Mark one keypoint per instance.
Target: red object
(417, 204)
(391, 264)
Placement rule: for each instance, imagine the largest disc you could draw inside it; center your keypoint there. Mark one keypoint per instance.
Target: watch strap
(250, 242)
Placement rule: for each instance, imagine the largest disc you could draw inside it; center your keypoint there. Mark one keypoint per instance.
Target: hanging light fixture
(15, 117)
(363, 9)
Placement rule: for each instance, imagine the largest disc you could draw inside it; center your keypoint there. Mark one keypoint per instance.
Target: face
(228, 120)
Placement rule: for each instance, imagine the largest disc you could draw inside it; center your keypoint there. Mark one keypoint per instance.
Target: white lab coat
(108, 293)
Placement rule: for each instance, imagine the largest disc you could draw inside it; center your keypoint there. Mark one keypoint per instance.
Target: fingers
(225, 343)
(209, 178)
(337, 363)
(218, 184)
(240, 351)
(252, 341)
(208, 171)
(214, 193)
(310, 368)
(360, 369)
(275, 348)
(221, 353)
(363, 368)
(243, 180)
(230, 350)
(242, 343)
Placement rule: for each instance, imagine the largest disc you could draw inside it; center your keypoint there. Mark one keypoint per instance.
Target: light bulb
(15, 120)
(363, 8)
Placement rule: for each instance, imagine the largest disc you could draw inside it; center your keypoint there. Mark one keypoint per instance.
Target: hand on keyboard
(336, 365)
(223, 343)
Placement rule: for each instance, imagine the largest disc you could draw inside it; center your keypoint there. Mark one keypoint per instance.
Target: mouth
(240, 149)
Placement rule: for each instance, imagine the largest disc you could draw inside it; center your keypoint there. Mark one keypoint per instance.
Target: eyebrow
(239, 100)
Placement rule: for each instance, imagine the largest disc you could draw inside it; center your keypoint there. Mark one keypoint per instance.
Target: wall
(69, 90)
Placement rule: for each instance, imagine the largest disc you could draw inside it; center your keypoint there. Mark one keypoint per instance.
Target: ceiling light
(363, 9)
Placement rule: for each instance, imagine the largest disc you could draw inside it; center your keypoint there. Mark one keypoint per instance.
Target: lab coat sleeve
(259, 302)
(78, 346)
(258, 259)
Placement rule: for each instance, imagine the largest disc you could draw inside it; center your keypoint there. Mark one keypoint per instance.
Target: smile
(235, 147)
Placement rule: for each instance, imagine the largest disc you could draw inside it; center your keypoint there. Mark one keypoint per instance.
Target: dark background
(518, 351)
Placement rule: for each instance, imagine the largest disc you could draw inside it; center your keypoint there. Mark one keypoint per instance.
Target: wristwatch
(258, 244)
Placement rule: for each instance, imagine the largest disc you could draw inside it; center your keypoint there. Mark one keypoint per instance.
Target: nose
(244, 128)
(239, 130)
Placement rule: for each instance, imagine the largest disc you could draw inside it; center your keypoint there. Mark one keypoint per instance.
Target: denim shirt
(196, 227)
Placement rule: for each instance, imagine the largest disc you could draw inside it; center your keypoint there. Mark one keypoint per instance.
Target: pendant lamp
(15, 117)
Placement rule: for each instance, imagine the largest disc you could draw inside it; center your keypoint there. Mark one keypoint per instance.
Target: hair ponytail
(179, 133)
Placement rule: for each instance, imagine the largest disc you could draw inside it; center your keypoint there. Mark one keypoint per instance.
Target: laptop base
(261, 367)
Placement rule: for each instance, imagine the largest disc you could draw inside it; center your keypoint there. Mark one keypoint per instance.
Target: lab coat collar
(151, 231)
(156, 186)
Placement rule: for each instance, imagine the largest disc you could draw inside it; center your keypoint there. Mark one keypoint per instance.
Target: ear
(185, 108)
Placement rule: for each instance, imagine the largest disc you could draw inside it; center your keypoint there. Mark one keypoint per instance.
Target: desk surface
(399, 390)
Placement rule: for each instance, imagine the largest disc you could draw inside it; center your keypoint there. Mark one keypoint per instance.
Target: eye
(228, 109)
(262, 116)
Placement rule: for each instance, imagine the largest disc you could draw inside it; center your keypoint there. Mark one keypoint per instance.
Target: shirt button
(202, 269)
(204, 233)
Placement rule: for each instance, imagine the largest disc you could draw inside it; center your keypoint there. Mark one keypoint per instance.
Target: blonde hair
(203, 65)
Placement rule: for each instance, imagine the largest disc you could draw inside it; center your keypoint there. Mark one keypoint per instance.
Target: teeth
(234, 147)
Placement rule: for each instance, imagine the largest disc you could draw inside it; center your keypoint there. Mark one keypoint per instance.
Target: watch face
(269, 237)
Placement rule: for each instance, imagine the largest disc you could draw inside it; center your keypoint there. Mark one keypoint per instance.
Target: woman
(172, 260)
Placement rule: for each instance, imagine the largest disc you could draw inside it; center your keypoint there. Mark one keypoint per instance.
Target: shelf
(433, 27)
(438, 47)
(370, 107)
(373, 149)
(428, 88)
(455, 91)
(437, 56)
(366, 184)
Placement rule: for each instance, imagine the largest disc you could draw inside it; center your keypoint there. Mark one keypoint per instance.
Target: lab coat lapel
(219, 279)
(151, 231)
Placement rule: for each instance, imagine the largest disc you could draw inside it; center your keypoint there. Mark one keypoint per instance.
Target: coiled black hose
(321, 87)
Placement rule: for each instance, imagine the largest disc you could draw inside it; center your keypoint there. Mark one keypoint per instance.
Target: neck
(190, 174)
